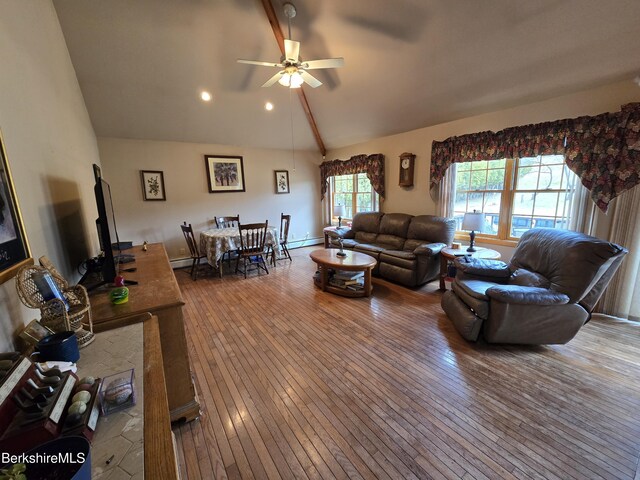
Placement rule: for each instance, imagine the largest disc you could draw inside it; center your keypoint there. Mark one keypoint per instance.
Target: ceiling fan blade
(310, 79)
(324, 63)
(273, 79)
(262, 64)
(291, 50)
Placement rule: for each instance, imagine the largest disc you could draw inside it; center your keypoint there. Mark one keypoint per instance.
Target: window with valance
(602, 150)
(371, 165)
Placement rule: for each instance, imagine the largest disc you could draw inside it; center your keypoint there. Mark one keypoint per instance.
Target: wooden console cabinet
(157, 292)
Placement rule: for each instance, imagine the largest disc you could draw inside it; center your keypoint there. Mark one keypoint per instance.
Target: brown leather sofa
(407, 247)
(543, 296)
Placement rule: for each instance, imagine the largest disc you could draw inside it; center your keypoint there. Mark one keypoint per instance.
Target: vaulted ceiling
(408, 63)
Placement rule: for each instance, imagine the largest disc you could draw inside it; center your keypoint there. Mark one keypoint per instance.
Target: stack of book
(347, 280)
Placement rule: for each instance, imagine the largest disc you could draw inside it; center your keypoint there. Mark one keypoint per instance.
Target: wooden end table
(352, 262)
(447, 254)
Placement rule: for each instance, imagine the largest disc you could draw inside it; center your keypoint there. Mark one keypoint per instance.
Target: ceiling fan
(293, 71)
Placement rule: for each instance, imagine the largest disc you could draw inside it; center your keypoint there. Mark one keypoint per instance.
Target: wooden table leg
(324, 277)
(367, 282)
(443, 272)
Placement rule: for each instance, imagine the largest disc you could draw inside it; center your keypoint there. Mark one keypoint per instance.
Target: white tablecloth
(217, 241)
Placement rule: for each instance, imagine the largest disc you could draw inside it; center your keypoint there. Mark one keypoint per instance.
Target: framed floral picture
(224, 173)
(14, 247)
(282, 181)
(152, 185)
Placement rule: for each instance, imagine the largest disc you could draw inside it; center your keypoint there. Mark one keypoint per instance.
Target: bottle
(48, 287)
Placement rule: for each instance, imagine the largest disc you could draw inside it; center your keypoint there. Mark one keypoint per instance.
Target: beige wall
(188, 198)
(416, 199)
(50, 145)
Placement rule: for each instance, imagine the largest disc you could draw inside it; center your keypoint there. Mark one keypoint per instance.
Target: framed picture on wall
(282, 181)
(14, 247)
(152, 185)
(224, 173)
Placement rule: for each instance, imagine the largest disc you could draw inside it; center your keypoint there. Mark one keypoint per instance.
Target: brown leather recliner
(543, 296)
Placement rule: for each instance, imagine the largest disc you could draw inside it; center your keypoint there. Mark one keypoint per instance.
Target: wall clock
(407, 161)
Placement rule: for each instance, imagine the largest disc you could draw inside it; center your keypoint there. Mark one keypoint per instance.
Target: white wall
(50, 146)
(188, 198)
(416, 200)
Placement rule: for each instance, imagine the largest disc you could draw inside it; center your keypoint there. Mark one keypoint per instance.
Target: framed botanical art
(14, 247)
(282, 181)
(152, 185)
(224, 173)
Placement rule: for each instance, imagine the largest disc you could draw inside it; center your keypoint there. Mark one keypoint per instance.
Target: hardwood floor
(297, 383)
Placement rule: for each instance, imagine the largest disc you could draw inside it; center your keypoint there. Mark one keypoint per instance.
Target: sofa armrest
(342, 232)
(486, 269)
(526, 295)
(429, 249)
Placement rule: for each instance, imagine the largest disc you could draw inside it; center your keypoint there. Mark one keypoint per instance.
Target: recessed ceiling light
(268, 106)
(205, 96)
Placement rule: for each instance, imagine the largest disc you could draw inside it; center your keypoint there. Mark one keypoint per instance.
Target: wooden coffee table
(352, 262)
(449, 253)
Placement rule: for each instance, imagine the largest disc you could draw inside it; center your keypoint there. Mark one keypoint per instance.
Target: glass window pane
(463, 167)
(552, 159)
(495, 179)
(479, 165)
(550, 177)
(364, 185)
(502, 163)
(546, 203)
(364, 202)
(519, 225)
(523, 203)
(478, 180)
(527, 178)
(492, 202)
(462, 180)
(491, 224)
(460, 202)
(475, 202)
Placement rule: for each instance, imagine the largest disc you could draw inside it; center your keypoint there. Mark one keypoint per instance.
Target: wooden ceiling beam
(277, 31)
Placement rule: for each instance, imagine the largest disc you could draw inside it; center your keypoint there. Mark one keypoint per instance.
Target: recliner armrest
(429, 249)
(486, 269)
(526, 295)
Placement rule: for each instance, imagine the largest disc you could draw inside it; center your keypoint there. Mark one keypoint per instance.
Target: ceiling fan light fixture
(285, 80)
(296, 80)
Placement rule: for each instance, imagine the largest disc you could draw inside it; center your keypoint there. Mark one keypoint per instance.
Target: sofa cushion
(399, 258)
(478, 305)
(476, 288)
(367, 222)
(395, 224)
(432, 229)
(369, 249)
(366, 237)
(411, 245)
(394, 242)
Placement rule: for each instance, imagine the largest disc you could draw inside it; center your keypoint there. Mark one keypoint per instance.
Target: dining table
(214, 243)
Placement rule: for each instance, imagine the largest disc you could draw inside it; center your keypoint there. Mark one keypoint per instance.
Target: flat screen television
(107, 230)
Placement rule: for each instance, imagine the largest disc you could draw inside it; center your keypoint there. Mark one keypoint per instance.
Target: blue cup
(61, 346)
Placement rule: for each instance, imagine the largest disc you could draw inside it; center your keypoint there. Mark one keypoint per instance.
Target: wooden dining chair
(252, 246)
(194, 251)
(285, 221)
(227, 222)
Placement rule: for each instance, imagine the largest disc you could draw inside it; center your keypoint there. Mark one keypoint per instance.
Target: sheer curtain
(622, 297)
(447, 192)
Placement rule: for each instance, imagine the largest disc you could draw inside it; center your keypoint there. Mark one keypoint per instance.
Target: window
(355, 193)
(515, 194)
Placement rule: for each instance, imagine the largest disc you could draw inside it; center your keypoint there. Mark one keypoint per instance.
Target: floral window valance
(603, 150)
(372, 165)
